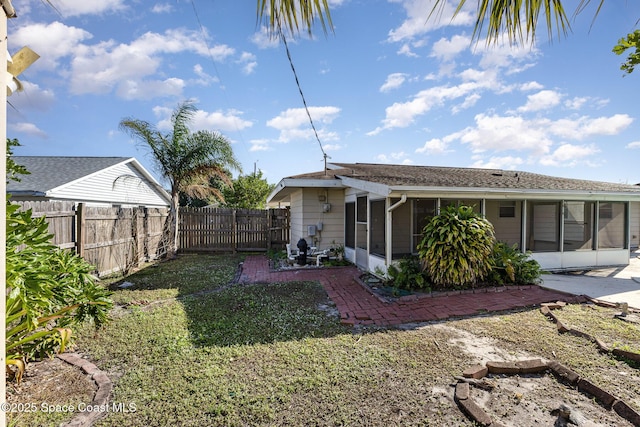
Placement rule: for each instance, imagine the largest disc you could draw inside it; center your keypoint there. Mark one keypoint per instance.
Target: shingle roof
(48, 172)
(448, 177)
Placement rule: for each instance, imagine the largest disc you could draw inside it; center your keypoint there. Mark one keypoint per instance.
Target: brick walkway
(358, 306)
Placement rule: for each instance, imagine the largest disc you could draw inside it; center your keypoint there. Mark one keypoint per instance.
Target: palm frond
(293, 15)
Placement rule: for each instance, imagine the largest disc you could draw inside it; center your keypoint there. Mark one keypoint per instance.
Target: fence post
(234, 232)
(80, 229)
(269, 228)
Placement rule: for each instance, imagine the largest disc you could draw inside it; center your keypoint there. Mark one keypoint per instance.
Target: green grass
(276, 354)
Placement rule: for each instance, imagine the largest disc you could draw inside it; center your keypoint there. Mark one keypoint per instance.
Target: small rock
(125, 285)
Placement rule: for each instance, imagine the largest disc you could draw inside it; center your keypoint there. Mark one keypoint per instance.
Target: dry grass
(277, 355)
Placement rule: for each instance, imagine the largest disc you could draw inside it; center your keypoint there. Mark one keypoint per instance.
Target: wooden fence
(111, 239)
(221, 229)
(117, 239)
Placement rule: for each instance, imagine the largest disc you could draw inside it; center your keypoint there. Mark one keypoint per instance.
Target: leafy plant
(407, 273)
(456, 247)
(510, 265)
(49, 291)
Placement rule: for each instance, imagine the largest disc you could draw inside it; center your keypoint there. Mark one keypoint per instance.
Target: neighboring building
(378, 211)
(96, 181)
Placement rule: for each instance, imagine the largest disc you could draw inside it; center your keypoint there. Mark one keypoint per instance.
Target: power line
(304, 101)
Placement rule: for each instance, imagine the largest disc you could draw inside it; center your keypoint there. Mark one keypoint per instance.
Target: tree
(187, 160)
(517, 18)
(248, 192)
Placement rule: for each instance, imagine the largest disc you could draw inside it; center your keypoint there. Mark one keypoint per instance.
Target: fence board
(225, 230)
(117, 239)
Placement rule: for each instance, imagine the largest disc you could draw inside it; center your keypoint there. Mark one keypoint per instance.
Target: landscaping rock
(563, 373)
(626, 354)
(475, 412)
(475, 371)
(531, 366)
(605, 398)
(626, 412)
(462, 391)
(509, 368)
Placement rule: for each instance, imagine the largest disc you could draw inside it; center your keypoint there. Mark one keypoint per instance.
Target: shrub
(49, 291)
(408, 274)
(456, 247)
(510, 265)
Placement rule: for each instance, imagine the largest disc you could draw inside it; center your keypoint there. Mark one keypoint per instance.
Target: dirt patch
(528, 400)
(50, 383)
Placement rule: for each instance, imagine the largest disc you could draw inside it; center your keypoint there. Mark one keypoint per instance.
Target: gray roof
(49, 172)
(453, 177)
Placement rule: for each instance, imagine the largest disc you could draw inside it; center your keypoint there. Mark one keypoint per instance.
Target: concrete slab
(615, 285)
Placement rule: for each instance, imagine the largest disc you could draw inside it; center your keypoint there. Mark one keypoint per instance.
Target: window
(508, 209)
(350, 225)
(543, 223)
(578, 225)
(377, 228)
(423, 211)
(612, 225)
(362, 209)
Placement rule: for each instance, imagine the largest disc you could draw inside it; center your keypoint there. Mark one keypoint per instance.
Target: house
(378, 211)
(96, 181)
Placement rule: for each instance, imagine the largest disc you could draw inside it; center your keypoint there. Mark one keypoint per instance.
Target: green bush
(49, 290)
(511, 266)
(456, 248)
(408, 274)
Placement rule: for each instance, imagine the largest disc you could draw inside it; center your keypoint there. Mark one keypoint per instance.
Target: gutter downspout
(388, 237)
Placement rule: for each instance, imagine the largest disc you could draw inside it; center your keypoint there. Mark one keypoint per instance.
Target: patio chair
(292, 254)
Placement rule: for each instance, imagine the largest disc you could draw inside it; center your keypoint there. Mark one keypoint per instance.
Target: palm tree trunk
(173, 229)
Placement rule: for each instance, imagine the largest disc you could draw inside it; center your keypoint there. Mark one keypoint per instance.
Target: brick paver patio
(359, 306)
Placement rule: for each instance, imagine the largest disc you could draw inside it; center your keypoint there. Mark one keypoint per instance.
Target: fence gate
(225, 229)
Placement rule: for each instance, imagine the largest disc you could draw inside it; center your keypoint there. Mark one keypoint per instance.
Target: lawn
(189, 348)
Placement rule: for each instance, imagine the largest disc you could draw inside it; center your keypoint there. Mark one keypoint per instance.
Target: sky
(387, 86)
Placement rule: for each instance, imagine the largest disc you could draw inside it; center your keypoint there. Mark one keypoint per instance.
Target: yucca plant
(456, 248)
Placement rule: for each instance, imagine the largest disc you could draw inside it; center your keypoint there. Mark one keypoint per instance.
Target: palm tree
(186, 160)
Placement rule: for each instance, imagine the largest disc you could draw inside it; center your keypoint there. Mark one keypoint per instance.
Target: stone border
(472, 374)
(437, 294)
(546, 310)
(101, 396)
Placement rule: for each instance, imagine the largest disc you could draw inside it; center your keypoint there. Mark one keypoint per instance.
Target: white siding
(120, 185)
(307, 209)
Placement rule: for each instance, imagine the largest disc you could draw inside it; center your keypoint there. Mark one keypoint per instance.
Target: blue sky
(387, 87)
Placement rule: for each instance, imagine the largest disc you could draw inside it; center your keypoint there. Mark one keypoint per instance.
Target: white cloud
(394, 81)
(52, 42)
(633, 145)
(264, 40)
(569, 155)
(248, 62)
(584, 127)
(70, 8)
(505, 162)
(149, 89)
(226, 121)
(294, 123)
(447, 49)
(525, 87)
(417, 24)
(405, 50)
(333, 147)
(259, 145)
(497, 133)
(102, 67)
(542, 100)
(162, 8)
(33, 97)
(394, 158)
(434, 146)
(29, 129)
